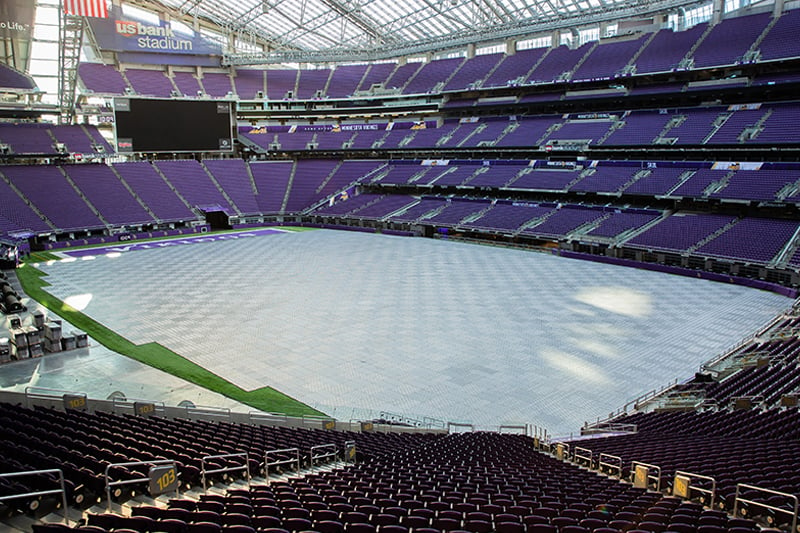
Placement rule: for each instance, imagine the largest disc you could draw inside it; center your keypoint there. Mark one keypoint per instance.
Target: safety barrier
(68, 399)
(460, 427)
(138, 406)
(204, 412)
(603, 464)
(280, 462)
(523, 430)
(60, 490)
(642, 475)
(583, 456)
(323, 451)
(789, 497)
(111, 484)
(236, 468)
(683, 487)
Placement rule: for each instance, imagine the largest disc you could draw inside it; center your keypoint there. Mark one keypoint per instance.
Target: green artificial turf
(43, 257)
(153, 354)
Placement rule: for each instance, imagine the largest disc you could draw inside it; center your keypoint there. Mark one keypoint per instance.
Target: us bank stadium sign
(125, 34)
(153, 37)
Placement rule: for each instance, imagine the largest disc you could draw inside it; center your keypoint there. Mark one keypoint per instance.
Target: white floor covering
(359, 324)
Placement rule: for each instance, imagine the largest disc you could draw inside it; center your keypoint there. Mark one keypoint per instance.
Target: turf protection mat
(355, 324)
(133, 246)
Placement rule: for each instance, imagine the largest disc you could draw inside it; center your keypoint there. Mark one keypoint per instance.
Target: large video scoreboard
(169, 125)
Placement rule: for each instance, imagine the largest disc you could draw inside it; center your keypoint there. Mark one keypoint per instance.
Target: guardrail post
(110, 483)
(62, 490)
(245, 467)
(776, 509)
(295, 460)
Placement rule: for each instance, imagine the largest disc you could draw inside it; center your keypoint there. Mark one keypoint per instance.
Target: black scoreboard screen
(166, 125)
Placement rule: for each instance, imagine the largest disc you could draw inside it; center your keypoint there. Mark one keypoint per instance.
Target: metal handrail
(451, 425)
(430, 422)
(616, 465)
(656, 477)
(323, 451)
(29, 394)
(610, 427)
(110, 484)
(524, 428)
(128, 402)
(712, 492)
(245, 467)
(580, 453)
(538, 431)
(295, 461)
(221, 412)
(62, 490)
(767, 506)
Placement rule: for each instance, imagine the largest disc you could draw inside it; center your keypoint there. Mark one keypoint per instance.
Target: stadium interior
(658, 135)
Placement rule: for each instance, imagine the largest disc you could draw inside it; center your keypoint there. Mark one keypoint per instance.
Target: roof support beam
(351, 15)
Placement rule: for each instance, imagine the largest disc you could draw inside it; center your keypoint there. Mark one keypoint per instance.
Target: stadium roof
(348, 30)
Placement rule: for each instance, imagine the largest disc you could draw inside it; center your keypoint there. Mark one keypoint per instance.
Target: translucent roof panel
(380, 27)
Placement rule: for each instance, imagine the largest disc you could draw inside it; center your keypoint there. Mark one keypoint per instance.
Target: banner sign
(330, 128)
(744, 107)
(342, 196)
(16, 19)
(125, 34)
(736, 165)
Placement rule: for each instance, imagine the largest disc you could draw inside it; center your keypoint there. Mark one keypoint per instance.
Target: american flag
(86, 8)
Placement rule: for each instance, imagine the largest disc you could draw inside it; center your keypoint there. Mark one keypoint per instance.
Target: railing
(459, 427)
(132, 404)
(425, 422)
(257, 417)
(610, 427)
(773, 508)
(280, 462)
(539, 432)
(689, 487)
(222, 413)
(708, 365)
(61, 490)
(111, 484)
(635, 403)
(615, 466)
(513, 429)
(583, 456)
(31, 393)
(323, 451)
(236, 468)
(642, 475)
